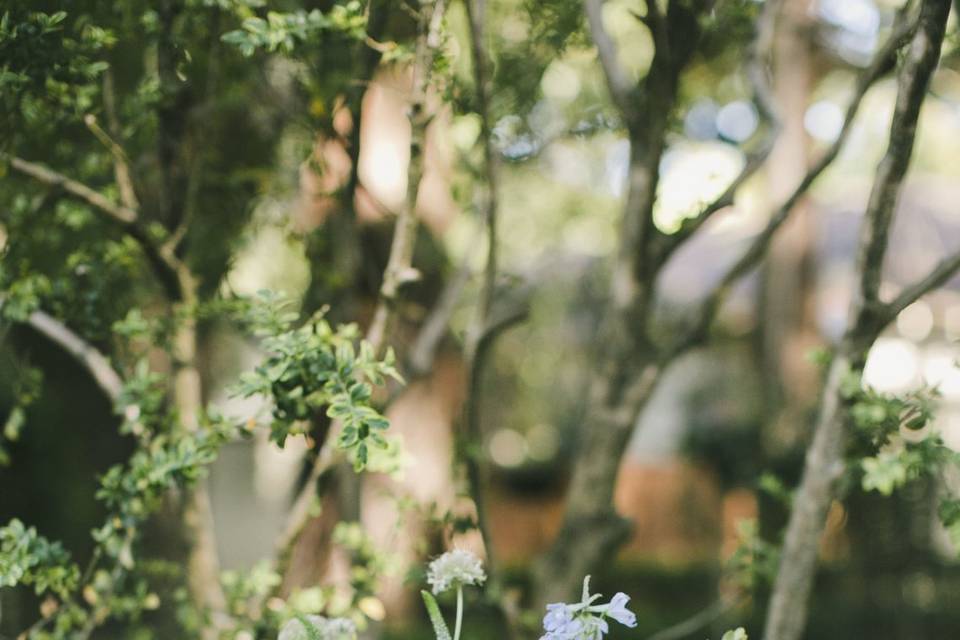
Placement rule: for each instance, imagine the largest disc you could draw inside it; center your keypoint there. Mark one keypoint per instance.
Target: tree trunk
(824, 466)
(203, 565)
(592, 530)
(787, 615)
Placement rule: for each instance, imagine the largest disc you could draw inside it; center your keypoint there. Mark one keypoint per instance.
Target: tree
(138, 140)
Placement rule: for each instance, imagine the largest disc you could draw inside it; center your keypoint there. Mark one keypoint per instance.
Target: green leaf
(436, 619)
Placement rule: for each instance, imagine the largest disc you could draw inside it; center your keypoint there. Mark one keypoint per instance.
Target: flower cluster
(455, 568)
(320, 627)
(586, 620)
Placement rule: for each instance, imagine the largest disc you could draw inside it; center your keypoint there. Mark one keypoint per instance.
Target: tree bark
(203, 564)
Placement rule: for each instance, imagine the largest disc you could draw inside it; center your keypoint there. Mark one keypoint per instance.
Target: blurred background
(725, 429)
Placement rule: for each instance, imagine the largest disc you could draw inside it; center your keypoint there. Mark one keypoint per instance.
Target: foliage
(30, 559)
(896, 442)
(314, 367)
(48, 66)
(283, 31)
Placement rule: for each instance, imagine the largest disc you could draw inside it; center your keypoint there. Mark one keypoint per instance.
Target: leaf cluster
(283, 32)
(314, 367)
(48, 67)
(30, 559)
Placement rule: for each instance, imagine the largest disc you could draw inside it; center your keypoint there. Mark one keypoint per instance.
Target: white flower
(455, 568)
(329, 629)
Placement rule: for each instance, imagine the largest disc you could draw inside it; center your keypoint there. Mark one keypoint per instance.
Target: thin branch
(480, 336)
(618, 82)
(121, 164)
(937, 277)
(757, 73)
(423, 352)
(697, 621)
(82, 351)
(490, 170)
(166, 266)
(399, 269)
(758, 247)
(912, 84)
(302, 509)
(119, 213)
(200, 161)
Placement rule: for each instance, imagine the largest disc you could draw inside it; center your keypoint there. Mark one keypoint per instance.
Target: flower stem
(456, 628)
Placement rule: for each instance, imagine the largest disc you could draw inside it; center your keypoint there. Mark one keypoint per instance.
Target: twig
(423, 352)
(399, 270)
(487, 325)
(121, 164)
(119, 213)
(938, 276)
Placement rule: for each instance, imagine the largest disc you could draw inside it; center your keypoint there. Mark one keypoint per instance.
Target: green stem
(456, 628)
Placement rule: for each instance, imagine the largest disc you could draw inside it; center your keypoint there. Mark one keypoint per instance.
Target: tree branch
(759, 245)
(121, 164)
(399, 270)
(766, 108)
(125, 216)
(686, 628)
(482, 333)
(618, 82)
(937, 277)
(166, 266)
(82, 351)
(912, 85)
(423, 352)
(627, 370)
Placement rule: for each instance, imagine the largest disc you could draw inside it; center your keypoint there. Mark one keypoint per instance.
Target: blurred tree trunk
(786, 318)
(629, 365)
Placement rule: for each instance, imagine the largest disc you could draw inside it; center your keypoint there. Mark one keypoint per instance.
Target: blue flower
(560, 622)
(586, 620)
(617, 609)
